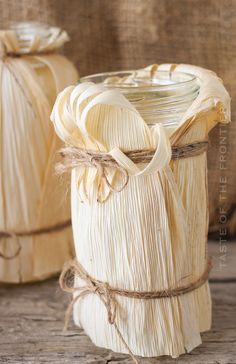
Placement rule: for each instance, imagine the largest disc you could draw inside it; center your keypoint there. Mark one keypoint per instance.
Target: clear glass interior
(160, 96)
(26, 32)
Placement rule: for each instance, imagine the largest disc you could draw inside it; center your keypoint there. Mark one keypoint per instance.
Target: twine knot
(73, 157)
(104, 293)
(110, 303)
(73, 269)
(4, 235)
(76, 157)
(102, 289)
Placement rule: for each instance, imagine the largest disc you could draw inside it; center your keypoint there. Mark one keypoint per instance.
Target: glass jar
(28, 32)
(154, 232)
(159, 96)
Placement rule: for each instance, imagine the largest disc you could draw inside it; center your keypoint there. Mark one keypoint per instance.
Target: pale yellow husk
(152, 235)
(30, 195)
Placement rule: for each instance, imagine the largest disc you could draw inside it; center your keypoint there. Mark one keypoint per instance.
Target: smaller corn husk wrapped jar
(140, 228)
(35, 233)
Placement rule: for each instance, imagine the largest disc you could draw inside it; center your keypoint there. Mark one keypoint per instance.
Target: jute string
(107, 293)
(5, 234)
(73, 157)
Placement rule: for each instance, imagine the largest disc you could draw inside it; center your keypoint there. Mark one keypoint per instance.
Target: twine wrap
(74, 157)
(5, 54)
(4, 234)
(107, 293)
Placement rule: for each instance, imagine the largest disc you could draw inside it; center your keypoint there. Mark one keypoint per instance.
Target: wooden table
(31, 321)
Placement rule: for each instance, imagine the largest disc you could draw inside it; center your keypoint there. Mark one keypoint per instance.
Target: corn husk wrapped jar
(34, 213)
(147, 236)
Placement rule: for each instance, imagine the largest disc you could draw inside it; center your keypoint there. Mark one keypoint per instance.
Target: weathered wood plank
(31, 321)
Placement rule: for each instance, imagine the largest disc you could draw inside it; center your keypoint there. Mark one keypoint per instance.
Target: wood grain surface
(31, 321)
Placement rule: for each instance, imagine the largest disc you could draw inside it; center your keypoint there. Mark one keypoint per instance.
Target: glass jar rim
(159, 96)
(34, 27)
(143, 80)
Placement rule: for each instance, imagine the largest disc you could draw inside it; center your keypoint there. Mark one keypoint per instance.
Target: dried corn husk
(30, 196)
(151, 236)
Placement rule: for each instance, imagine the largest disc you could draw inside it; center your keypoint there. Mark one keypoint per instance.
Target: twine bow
(106, 293)
(3, 235)
(101, 168)
(93, 286)
(73, 157)
(76, 157)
